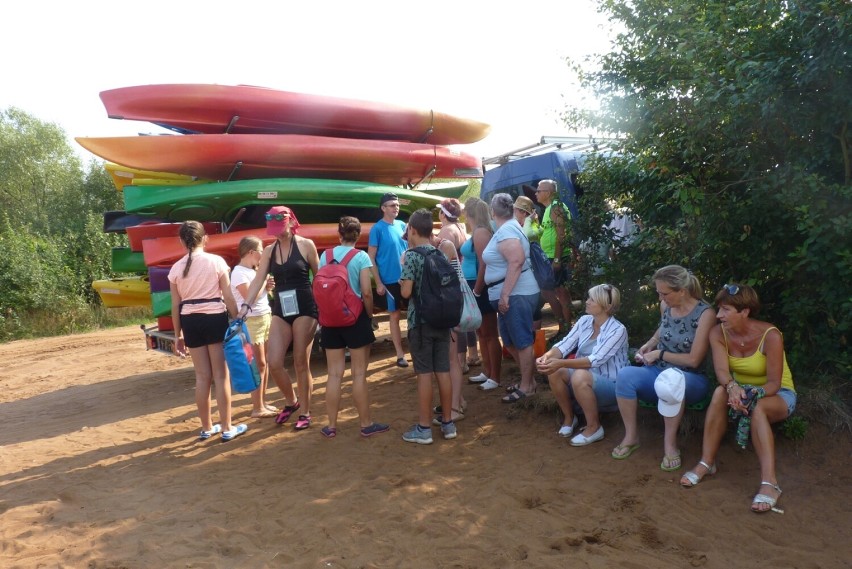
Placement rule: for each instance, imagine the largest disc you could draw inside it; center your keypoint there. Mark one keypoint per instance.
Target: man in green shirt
(558, 246)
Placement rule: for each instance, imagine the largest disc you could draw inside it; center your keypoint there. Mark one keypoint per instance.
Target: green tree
(51, 229)
(37, 166)
(736, 154)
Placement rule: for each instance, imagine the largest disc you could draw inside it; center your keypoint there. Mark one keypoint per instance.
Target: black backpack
(439, 301)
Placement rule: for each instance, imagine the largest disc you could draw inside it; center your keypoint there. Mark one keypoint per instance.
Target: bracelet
(662, 353)
(246, 305)
(730, 386)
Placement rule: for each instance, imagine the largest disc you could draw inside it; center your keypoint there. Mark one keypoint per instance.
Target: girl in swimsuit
(290, 260)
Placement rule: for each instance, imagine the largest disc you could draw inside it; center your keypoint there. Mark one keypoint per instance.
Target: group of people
(587, 369)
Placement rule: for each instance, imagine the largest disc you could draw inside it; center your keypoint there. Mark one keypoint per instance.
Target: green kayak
(312, 200)
(126, 261)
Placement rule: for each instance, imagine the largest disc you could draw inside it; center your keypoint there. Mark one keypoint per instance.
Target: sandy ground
(100, 467)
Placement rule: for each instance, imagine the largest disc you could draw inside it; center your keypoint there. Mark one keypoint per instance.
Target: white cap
(670, 386)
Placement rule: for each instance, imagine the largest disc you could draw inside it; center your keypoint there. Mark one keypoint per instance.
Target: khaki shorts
(258, 327)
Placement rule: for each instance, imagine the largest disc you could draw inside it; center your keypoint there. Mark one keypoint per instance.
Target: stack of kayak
(238, 150)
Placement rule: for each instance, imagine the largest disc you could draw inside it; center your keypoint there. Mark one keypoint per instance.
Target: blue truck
(557, 158)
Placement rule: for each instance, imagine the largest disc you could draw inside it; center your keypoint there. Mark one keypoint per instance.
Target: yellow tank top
(751, 369)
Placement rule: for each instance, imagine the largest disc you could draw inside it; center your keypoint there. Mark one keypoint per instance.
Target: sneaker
(234, 433)
(204, 435)
(449, 430)
(400, 362)
(489, 384)
(481, 378)
(566, 430)
(303, 423)
(374, 429)
(419, 435)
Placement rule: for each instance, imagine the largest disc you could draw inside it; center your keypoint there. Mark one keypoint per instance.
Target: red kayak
(242, 109)
(168, 250)
(152, 229)
(248, 156)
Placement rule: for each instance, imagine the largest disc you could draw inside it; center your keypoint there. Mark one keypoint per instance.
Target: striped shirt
(610, 353)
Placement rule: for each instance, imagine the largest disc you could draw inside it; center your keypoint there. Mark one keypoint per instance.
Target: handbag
(240, 359)
(471, 317)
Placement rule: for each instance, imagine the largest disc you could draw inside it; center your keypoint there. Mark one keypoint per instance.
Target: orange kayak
(247, 156)
(243, 109)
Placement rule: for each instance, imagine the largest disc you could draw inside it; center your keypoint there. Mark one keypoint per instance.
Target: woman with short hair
(755, 384)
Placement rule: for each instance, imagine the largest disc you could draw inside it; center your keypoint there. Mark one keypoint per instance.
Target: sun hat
(523, 203)
(388, 197)
(276, 226)
(451, 207)
(670, 386)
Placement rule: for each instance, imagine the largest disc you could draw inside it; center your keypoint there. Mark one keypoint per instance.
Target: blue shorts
(516, 326)
(789, 397)
(637, 382)
(604, 388)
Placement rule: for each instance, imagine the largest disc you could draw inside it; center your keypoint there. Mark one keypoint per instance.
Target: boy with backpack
(433, 284)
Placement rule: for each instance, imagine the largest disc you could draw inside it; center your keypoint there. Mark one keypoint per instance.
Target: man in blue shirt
(385, 248)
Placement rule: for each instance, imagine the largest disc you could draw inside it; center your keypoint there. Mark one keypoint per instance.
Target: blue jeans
(636, 382)
(516, 326)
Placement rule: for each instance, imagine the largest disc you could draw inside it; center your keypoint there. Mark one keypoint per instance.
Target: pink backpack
(337, 303)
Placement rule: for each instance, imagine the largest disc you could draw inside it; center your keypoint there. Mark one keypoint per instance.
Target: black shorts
(307, 306)
(356, 336)
(380, 301)
(562, 275)
(203, 329)
(482, 300)
(430, 349)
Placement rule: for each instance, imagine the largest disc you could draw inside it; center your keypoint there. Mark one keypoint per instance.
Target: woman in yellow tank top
(754, 380)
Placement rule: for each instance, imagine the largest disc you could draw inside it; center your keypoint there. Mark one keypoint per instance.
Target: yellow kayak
(123, 176)
(131, 291)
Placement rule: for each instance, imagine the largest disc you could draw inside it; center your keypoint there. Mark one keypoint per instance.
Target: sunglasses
(277, 216)
(732, 289)
(608, 289)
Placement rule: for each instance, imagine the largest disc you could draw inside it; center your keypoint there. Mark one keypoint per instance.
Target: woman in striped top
(600, 341)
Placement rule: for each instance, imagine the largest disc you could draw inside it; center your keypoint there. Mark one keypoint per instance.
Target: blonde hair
(607, 296)
(679, 278)
(477, 214)
(248, 244)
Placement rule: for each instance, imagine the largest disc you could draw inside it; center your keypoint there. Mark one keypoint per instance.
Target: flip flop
(623, 451)
(670, 463)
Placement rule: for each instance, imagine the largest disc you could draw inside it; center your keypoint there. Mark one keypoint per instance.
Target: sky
(476, 59)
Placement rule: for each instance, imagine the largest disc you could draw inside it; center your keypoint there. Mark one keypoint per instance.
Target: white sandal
(764, 499)
(693, 478)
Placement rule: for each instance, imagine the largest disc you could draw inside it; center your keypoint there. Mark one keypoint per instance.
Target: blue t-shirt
(469, 264)
(387, 239)
(359, 262)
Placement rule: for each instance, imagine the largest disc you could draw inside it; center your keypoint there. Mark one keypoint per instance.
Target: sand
(100, 467)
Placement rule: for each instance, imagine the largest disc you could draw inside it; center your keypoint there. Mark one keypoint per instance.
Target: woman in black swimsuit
(290, 260)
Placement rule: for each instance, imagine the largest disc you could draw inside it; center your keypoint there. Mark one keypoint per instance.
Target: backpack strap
(329, 256)
(348, 257)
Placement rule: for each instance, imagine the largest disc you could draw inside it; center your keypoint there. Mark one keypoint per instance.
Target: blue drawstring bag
(239, 356)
